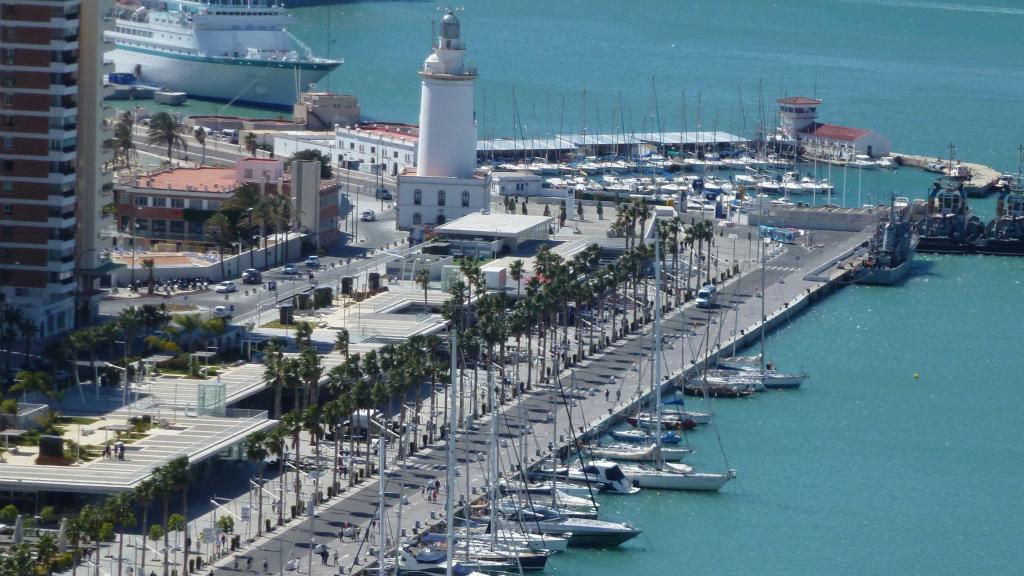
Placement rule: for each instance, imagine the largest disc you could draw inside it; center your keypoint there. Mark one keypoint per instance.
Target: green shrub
(8, 514)
(107, 532)
(9, 406)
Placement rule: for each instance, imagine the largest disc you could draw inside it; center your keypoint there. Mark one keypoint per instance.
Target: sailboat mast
(764, 257)
(449, 498)
(493, 441)
(657, 341)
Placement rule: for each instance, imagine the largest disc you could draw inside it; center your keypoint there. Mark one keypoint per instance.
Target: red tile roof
(799, 101)
(833, 132)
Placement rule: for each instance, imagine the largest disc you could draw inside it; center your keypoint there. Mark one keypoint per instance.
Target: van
(230, 135)
(313, 261)
(706, 296)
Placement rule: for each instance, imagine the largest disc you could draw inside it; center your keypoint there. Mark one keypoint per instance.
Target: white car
(368, 216)
(221, 312)
(225, 287)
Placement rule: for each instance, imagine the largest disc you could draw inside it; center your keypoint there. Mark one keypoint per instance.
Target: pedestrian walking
(265, 564)
(323, 556)
(335, 556)
(248, 563)
(435, 495)
(606, 393)
(235, 565)
(618, 395)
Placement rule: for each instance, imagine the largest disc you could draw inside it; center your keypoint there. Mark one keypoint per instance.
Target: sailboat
(662, 475)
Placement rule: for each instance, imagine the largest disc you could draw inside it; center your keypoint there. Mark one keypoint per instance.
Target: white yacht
(223, 50)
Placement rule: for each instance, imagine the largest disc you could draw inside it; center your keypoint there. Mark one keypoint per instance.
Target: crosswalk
(782, 268)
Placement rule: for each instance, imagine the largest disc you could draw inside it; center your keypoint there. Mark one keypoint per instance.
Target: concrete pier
(982, 181)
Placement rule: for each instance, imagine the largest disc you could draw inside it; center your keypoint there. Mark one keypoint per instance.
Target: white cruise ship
(230, 50)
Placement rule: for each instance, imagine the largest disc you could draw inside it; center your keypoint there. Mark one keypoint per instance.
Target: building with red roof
(798, 120)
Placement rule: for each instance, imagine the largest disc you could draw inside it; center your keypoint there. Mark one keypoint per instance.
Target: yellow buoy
(916, 376)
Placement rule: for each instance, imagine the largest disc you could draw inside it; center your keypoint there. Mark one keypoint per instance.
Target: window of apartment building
(159, 227)
(8, 143)
(440, 219)
(125, 223)
(8, 98)
(159, 202)
(396, 154)
(176, 227)
(7, 121)
(142, 201)
(177, 202)
(248, 172)
(11, 33)
(417, 219)
(351, 145)
(373, 149)
(440, 197)
(8, 55)
(195, 229)
(141, 224)
(417, 196)
(213, 204)
(195, 204)
(465, 198)
(8, 209)
(8, 187)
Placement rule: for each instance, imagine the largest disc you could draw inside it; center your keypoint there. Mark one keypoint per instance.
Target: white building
(377, 147)
(516, 184)
(798, 120)
(444, 185)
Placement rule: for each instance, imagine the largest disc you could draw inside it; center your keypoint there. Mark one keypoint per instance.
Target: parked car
(383, 194)
(225, 287)
(368, 216)
(221, 312)
(313, 261)
(289, 269)
(252, 276)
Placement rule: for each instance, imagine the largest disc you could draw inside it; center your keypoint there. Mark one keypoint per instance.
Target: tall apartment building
(54, 142)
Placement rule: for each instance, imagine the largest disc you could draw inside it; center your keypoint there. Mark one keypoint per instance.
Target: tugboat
(1005, 234)
(949, 227)
(891, 249)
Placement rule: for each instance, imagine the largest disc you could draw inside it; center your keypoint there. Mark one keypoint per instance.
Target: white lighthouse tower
(447, 144)
(445, 185)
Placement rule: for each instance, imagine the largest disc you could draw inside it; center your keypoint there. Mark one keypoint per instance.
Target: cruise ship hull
(236, 80)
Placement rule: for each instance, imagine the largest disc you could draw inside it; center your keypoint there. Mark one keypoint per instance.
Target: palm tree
(275, 445)
(149, 264)
(251, 143)
(90, 339)
(145, 492)
(129, 321)
(334, 413)
(310, 368)
(256, 451)
(200, 136)
(91, 519)
(119, 509)
(124, 145)
(32, 382)
(165, 130)
(291, 424)
(274, 360)
(303, 334)
(186, 330)
(219, 228)
(175, 476)
(515, 269)
(341, 342)
(423, 279)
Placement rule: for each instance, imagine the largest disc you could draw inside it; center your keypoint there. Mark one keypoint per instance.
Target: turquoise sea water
(866, 470)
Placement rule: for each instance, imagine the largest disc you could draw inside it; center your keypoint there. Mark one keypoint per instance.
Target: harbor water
(866, 469)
